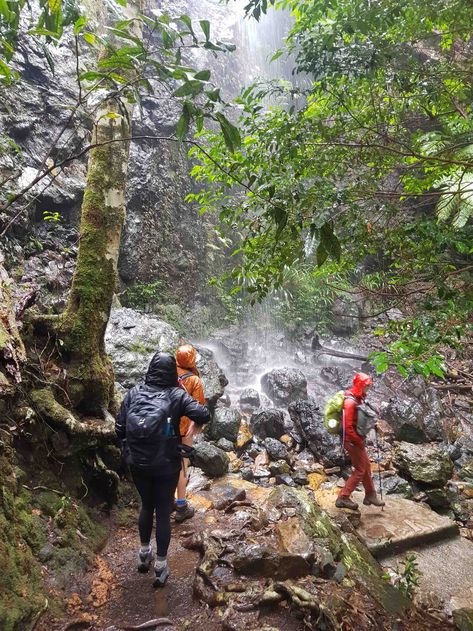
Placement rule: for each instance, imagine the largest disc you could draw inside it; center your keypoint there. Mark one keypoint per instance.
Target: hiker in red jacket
(355, 446)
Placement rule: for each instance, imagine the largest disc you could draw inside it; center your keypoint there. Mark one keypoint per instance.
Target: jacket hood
(360, 380)
(162, 371)
(185, 356)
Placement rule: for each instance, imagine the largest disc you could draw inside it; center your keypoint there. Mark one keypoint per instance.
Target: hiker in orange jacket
(355, 446)
(190, 379)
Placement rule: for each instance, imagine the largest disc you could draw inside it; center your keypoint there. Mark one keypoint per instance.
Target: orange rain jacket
(185, 359)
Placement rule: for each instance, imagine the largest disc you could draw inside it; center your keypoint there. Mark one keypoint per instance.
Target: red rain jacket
(360, 380)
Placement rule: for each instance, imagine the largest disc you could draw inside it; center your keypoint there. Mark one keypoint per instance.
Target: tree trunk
(90, 379)
(12, 350)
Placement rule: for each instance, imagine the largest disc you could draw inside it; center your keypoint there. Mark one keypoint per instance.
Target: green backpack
(333, 413)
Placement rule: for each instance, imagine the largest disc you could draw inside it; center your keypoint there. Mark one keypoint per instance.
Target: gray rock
(212, 460)
(394, 484)
(225, 444)
(267, 423)
(249, 400)
(225, 424)
(427, 464)
(247, 474)
(276, 449)
(300, 477)
(308, 419)
(285, 479)
(132, 338)
(280, 467)
(437, 498)
(416, 418)
(284, 385)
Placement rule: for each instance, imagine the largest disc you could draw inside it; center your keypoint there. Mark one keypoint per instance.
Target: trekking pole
(379, 465)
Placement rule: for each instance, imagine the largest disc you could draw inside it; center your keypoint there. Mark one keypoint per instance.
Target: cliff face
(164, 238)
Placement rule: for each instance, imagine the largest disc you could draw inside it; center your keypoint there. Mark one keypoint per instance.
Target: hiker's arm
(120, 421)
(194, 410)
(350, 423)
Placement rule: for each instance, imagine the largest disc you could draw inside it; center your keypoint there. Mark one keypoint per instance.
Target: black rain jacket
(162, 374)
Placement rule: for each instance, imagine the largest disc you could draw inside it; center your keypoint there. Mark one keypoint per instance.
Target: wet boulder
(132, 338)
(212, 460)
(395, 484)
(276, 449)
(268, 423)
(213, 377)
(284, 385)
(225, 424)
(417, 416)
(426, 464)
(263, 560)
(249, 400)
(308, 420)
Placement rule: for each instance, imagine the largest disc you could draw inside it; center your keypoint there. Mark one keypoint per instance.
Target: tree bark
(90, 378)
(12, 350)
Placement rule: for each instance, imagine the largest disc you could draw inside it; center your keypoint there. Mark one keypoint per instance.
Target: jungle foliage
(367, 158)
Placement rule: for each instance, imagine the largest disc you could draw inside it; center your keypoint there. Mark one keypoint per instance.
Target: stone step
(401, 525)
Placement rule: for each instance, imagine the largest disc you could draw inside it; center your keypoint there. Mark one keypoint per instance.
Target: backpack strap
(186, 376)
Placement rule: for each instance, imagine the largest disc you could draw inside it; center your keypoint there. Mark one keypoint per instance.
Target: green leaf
(231, 134)
(182, 126)
(203, 75)
(192, 87)
(205, 26)
(90, 38)
(80, 23)
(5, 11)
(122, 3)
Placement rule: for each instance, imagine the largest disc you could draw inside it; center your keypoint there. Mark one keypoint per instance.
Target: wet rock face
(262, 560)
(423, 463)
(132, 338)
(249, 400)
(416, 418)
(212, 460)
(284, 385)
(308, 420)
(225, 424)
(268, 423)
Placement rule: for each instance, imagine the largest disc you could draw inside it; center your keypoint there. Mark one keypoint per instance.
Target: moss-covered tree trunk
(90, 375)
(12, 350)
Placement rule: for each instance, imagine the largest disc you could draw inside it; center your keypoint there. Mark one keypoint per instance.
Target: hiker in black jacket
(148, 426)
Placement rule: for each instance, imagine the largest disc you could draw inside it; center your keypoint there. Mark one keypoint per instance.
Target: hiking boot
(144, 561)
(373, 500)
(346, 502)
(161, 574)
(184, 512)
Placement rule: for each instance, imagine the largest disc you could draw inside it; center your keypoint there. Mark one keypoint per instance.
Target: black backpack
(151, 440)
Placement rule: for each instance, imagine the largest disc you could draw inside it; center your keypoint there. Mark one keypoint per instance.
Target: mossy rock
(360, 565)
(463, 619)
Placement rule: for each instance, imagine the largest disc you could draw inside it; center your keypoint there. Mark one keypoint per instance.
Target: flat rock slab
(401, 525)
(446, 570)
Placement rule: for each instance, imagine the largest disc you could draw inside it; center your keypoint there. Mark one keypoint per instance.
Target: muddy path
(113, 596)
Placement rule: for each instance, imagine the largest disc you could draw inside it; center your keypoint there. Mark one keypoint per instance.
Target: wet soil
(113, 596)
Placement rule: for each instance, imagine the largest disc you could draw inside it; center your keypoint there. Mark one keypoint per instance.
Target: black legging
(157, 493)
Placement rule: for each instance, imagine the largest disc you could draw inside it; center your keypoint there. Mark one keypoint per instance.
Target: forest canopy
(365, 159)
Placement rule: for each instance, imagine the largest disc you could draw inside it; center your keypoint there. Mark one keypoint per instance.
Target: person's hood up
(162, 371)
(185, 356)
(360, 380)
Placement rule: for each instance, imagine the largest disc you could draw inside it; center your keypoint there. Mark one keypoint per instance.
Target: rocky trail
(267, 550)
